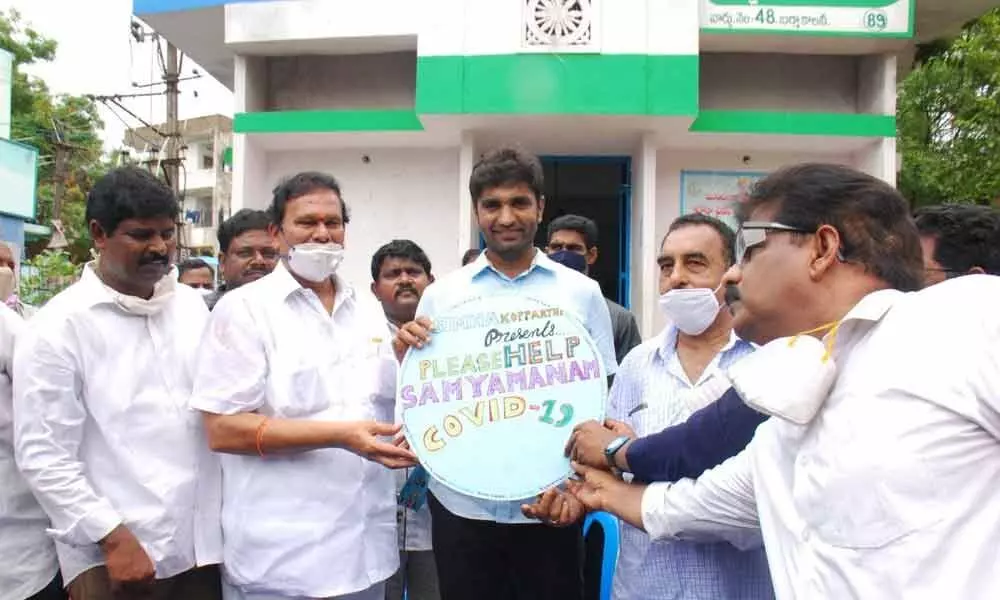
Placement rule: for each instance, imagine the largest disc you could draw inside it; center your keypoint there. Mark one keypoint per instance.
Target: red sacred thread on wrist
(260, 436)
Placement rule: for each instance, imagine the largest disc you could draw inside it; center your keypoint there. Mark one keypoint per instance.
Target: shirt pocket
(864, 498)
(306, 390)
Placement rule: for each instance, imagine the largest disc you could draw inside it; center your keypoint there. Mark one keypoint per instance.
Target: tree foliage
(949, 119)
(42, 119)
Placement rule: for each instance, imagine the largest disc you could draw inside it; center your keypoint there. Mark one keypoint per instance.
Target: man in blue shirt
(487, 549)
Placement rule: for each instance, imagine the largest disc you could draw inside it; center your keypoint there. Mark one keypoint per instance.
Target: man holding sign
(485, 548)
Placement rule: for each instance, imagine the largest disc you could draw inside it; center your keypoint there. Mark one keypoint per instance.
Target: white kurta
(104, 434)
(27, 556)
(891, 491)
(318, 523)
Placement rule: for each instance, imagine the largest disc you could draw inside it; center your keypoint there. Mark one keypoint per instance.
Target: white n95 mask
(314, 261)
(789, 378)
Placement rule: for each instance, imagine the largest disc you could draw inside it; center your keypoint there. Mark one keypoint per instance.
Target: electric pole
(172, 162)
(61, 172)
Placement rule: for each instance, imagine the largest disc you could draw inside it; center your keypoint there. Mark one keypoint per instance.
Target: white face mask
(163, 293)
(205, 291)
(7, 283)
(789, 378)
(692, 310)
(315, 262)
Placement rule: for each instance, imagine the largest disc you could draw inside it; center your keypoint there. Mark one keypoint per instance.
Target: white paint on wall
(451, 27)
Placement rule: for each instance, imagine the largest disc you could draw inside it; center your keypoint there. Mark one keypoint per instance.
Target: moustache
(151, 259)
(406, 288)
(732, 296)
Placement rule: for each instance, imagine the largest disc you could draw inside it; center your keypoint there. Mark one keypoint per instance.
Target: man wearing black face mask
(573, 243)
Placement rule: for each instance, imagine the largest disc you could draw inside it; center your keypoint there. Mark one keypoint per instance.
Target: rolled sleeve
(49, 418)
(232, 366)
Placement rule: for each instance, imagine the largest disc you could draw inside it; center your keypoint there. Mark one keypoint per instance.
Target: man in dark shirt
(573, 243)
(247, 251)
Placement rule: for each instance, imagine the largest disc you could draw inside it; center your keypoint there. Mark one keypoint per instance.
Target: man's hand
(620, 428)
(589, 439)
(595, 488)
(556, 508)
(416, 333)
(127, 563)
(363, 440)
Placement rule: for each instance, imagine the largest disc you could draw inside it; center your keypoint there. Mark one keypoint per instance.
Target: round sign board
(489, 404)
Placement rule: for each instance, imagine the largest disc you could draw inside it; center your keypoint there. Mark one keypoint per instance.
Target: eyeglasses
(754, 233)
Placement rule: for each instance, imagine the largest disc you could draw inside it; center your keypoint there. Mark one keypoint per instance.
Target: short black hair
(193, 264)
(726, 233)
(873, 219)
(506, 166)
(400, 249)
(582, 225)
(129, 193)
(243, 221)
(470, 255)
(967, 236)
(299, 185)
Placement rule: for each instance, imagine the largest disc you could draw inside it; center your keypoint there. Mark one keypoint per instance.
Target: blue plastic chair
(609, 561)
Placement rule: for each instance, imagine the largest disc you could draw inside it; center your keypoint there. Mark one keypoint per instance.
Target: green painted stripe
(598, 84)
(795, 123)
(227, 156)
(319, 121)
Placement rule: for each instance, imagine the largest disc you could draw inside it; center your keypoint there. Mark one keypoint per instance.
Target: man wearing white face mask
(102, 378)
(661, 383)
(297, 389)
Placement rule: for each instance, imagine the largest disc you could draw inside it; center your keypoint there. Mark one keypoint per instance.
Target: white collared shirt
(891, 490)
(103, 433)
(319, 523)
(26, 551)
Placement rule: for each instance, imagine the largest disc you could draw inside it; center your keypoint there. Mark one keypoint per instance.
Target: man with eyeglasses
(247, 251)
(882, 456)
(958, 239)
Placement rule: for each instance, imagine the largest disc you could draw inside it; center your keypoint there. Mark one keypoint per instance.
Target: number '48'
(765, 16)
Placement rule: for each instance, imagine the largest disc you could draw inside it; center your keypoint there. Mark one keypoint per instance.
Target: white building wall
(398, 194)
(449, 27)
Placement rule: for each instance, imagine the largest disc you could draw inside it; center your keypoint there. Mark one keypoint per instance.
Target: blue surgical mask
(573, 260)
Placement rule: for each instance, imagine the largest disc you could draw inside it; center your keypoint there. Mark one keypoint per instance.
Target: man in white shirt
(103, 434)
(401, 272)
(876, 477)
(30, 567)
(297, 387)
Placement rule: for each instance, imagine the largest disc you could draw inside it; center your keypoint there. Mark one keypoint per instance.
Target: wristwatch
(611, 449)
